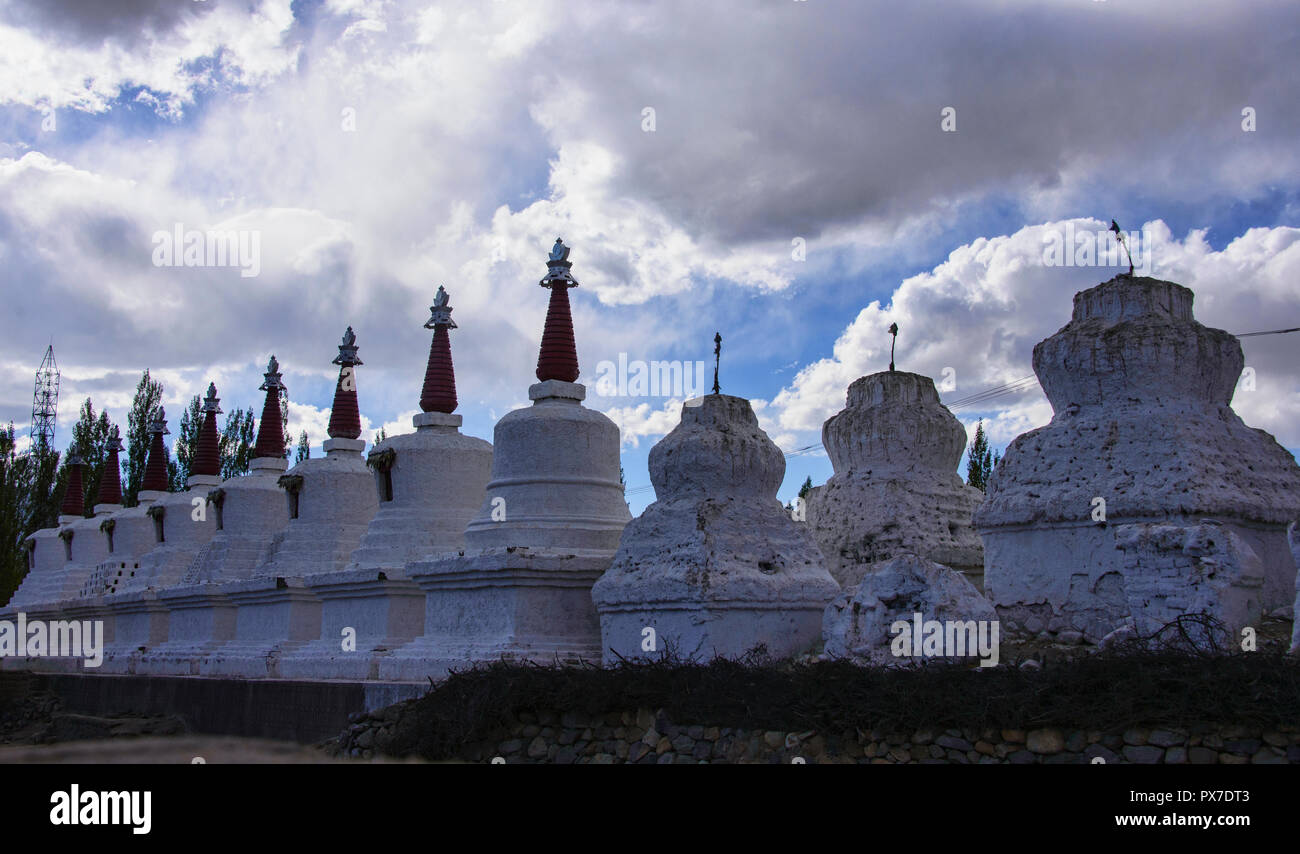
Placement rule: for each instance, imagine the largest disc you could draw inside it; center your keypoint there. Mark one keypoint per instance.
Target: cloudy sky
(796, 175)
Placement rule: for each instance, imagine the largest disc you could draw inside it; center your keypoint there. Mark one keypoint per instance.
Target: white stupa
(250, 510)
(716, 566)
(331, 502)
(89, 543)
(547, 529)
(53, 555)
(895, 449)
(184, 517)
(137, 619)
(249, 513)
(1146, 497)
(50, 550)
(332, 498)
(430, 484)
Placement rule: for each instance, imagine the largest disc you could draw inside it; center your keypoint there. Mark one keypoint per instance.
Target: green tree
(90, 440)
(980, 460)
(16, 483)
(284, 421)
(806, 488)
(187, 444)
(304, 448)
(41, 507)
(148, 395)
(30, 495)
(237, 440)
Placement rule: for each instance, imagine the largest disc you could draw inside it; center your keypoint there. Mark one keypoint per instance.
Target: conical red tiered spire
(74, 499)
(110, 482)
(270, 430)
(439, 392)
(155, 470)
(207, 455)
(558, 359)
(345, 415)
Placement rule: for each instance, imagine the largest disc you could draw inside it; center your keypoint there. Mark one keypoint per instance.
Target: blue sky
(479, 132)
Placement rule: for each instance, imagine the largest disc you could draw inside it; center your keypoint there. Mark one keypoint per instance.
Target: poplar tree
(148, 394)
(237, 441)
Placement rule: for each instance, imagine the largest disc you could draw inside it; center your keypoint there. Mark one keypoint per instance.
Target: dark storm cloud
(97, 21)
(791, 118)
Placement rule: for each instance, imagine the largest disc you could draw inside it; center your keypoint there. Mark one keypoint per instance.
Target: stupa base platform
(139, 622)
(514, 604)
(273, 617)
(201, 619)
(1143, 573)
(700, 632)
(364, 615)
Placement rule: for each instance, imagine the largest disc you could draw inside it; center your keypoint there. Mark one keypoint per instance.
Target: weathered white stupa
(715, 567)
(430, 483)
(895, 449)
(331, 500)
(249, 513)
(547, 529)
(1146, 497)
(862, 623)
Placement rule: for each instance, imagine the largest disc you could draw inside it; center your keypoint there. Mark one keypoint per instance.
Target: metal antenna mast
(45, 401)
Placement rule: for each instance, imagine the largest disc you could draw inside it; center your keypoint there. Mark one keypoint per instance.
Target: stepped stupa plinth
(715, 566)
(548, 527)
(1146, 497)
(895, 491)
(430, 483)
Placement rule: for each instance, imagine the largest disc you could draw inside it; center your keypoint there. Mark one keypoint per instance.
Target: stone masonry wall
(645, 737)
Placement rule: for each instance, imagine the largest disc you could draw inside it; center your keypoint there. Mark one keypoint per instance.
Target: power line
(1269, 332)
(1013, 387)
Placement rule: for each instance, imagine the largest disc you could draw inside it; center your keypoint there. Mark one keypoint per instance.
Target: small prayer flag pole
(1119, 235)
(893, 330)
(717, 359)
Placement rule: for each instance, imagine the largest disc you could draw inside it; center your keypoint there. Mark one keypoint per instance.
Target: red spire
(558, 359)
(439, 392)
(74, 498)
(155, 470)
(345, 416)
(110, 482)
(270, 431)
(207, 455)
